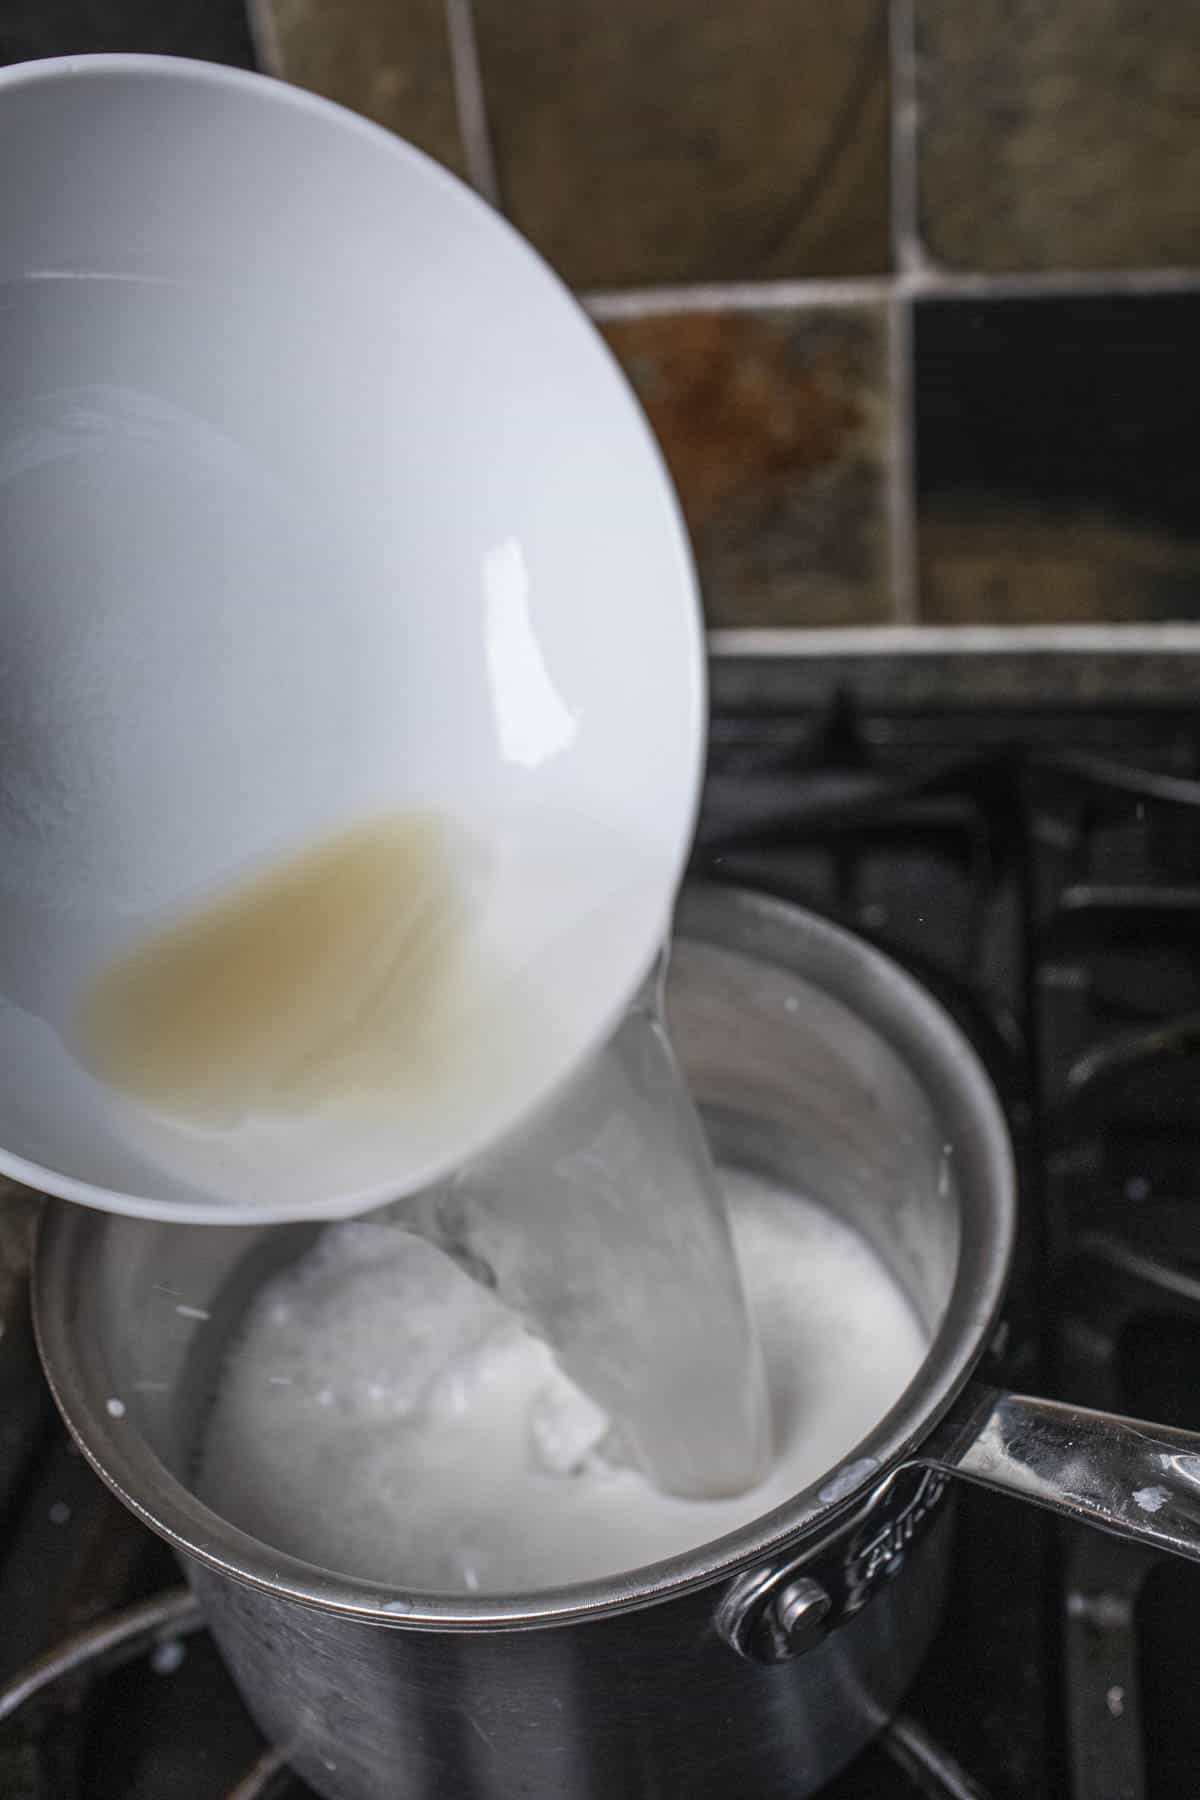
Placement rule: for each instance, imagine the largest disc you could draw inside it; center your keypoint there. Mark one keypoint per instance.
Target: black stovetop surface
(1039, 868)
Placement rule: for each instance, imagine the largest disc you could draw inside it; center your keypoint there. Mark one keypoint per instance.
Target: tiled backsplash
(910, 292)
(666, 141)
(1058, 478)
(388, 59)
(1060, 135)
(774, 424)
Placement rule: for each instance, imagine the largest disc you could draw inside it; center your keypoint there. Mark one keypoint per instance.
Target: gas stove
(1021, 829)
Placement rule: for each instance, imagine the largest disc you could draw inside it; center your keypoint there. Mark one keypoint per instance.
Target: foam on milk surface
(385, 1416)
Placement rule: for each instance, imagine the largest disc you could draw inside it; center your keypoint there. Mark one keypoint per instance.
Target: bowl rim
(910, 1020)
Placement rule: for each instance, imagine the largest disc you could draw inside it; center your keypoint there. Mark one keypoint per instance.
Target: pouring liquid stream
(603, 1222)
(331, 981)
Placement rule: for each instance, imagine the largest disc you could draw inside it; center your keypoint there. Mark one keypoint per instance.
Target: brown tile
(774, 427)
(665, 141)
(996, 564)
(1060, 135)
(387, 59)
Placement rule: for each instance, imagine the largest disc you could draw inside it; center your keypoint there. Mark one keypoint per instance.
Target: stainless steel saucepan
(760, 1663)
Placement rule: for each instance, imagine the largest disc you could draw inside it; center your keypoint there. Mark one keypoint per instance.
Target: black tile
(211, 30)
(1057, 467)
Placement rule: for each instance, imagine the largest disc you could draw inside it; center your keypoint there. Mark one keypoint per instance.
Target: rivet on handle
(772, 1615)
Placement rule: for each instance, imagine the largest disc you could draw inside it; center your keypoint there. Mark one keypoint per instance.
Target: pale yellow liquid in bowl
(324, 979)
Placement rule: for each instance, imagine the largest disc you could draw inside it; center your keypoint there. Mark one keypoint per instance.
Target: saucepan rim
(776, 933)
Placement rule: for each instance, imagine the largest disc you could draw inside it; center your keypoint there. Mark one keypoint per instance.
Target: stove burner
(1039, 869)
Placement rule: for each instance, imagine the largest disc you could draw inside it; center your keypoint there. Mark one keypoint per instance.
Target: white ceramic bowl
(318, 496)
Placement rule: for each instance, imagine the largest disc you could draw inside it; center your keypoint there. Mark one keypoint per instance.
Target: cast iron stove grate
(1039, 869)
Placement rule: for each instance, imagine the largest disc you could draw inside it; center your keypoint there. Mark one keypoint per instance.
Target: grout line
(1034, 284)
(264, 37)
(469, 99)
(907, 252)
(900, 497)
(938, 640)
(739, 296)
(925, 283)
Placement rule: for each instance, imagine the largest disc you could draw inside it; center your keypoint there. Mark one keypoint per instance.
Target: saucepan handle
(1136, 1480)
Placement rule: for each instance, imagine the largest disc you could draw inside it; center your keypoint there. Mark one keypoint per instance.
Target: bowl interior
(319, 498)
